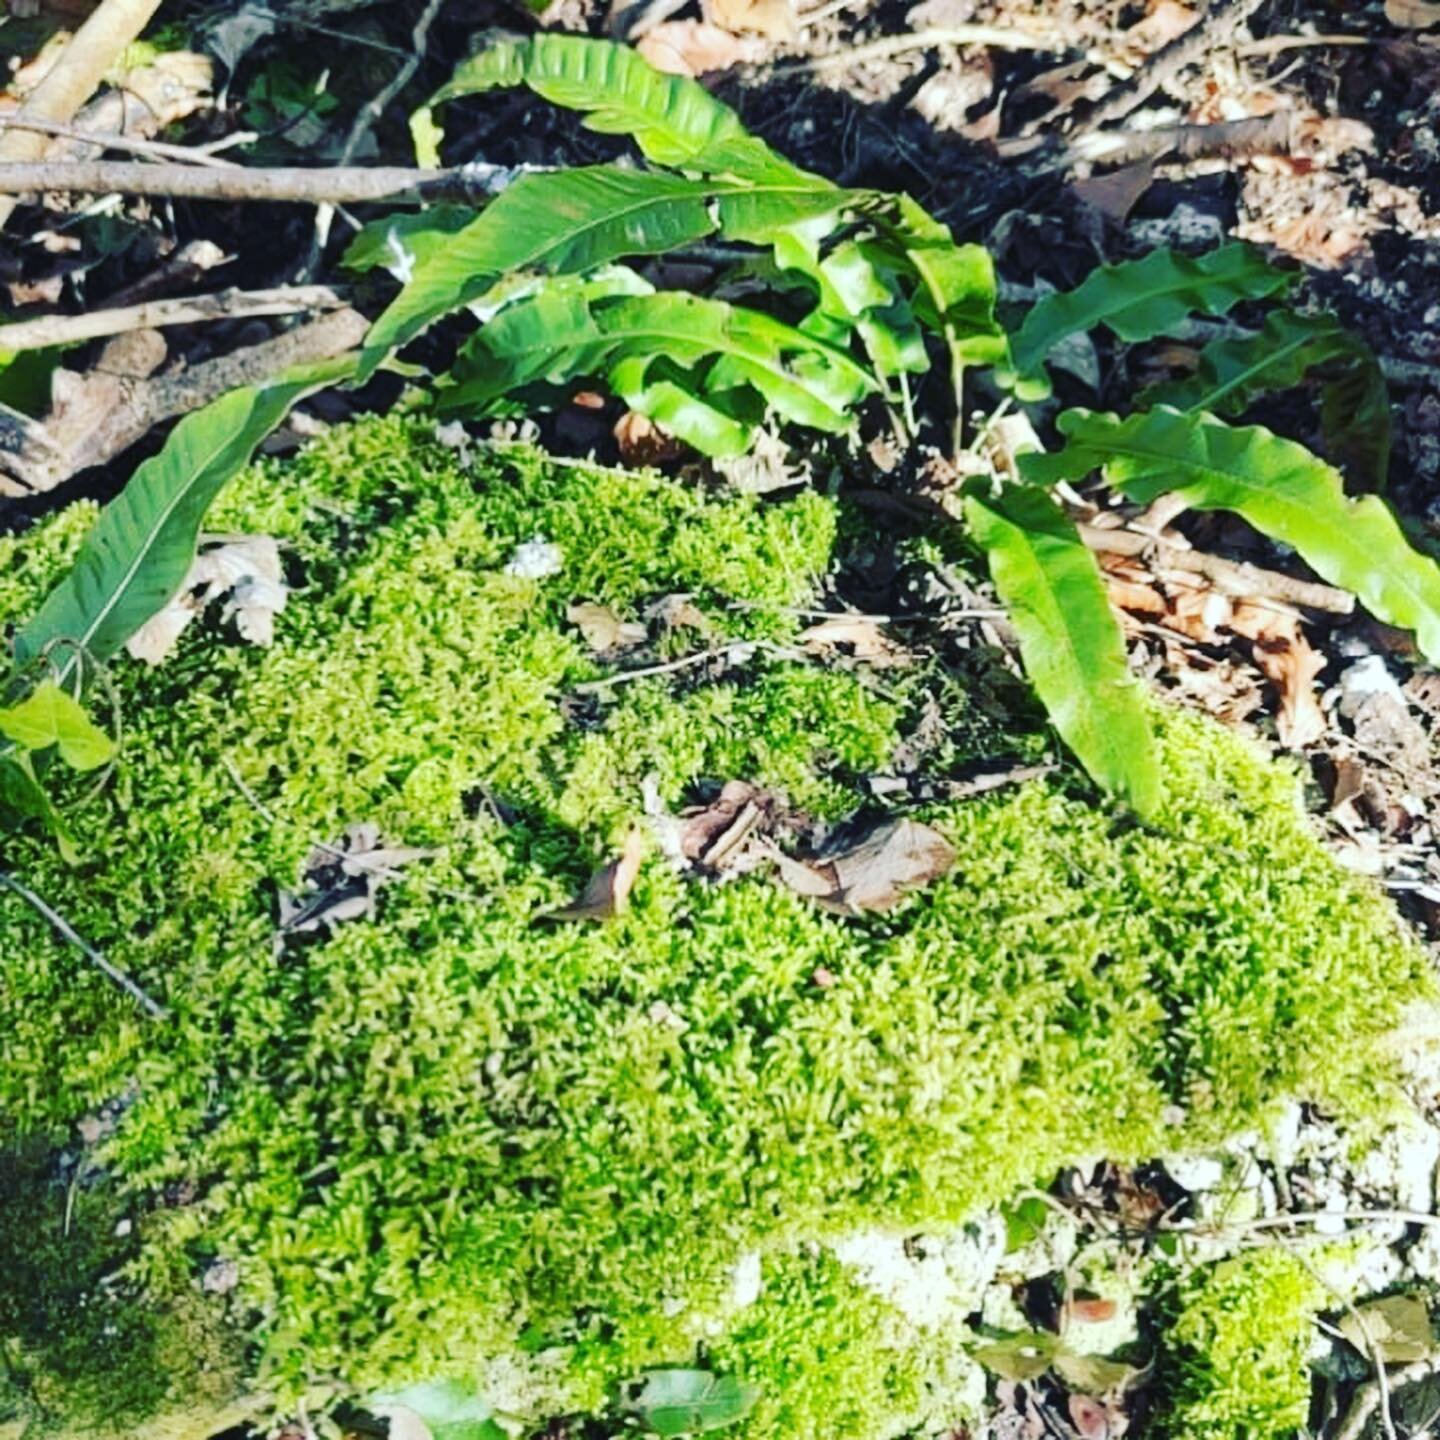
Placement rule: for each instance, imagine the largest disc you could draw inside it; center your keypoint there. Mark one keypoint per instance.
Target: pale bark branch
(74, 78)
(156, 314)
(337, 185)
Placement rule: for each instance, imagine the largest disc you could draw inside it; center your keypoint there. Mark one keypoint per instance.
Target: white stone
(536, 559)
(748, 1280)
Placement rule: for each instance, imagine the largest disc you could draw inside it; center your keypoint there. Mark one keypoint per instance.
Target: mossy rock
(455, 1140)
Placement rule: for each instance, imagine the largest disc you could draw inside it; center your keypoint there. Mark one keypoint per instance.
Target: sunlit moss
(456, 1128)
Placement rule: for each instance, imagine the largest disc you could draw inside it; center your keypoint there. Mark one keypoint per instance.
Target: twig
(1372, 1396)
(189, 310)
(1232, 577)
(74, 78)
(176, 272)
(99, 414)
(1257, 135)
(736, 653)
(111, 141)
(365, 121)
(1275, 44)
(1165, 63)
(334, 185)
(890, 45)
(67, 932)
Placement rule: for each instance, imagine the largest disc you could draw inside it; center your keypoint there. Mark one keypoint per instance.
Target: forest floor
(1309, 129)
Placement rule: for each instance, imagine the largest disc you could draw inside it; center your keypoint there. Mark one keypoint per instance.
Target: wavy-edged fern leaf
(1277, 485)
(1354, 399)
(1070, 640)
(1138, 300)
(703, 368)
(140, 550)
(576, 220)
(674, 120)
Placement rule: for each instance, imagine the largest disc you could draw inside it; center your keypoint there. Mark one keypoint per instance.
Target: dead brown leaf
(1412, 14)
(608, 892)
(340, 881)
(643, 442)
(246, 571)
(713, 836)
(775, 19)
(679, 612)
(864, 637)
(1115, 195)
(603, 630)
(1291, 664)
(1167, 20)
(874, 875)
(695, 47)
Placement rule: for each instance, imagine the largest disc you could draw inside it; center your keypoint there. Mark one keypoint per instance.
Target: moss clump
(432, 1137)
(1240, 1346)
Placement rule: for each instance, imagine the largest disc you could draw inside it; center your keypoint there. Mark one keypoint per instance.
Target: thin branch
(1276, 44)
(334, 185)
(891, 45)
(112, 141)
(75, 77)
(67, 932)
(365, 122)
(155, 314)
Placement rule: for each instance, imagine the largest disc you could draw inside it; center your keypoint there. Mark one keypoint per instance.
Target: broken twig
(49, 330)
(67, 932)
(299, 185)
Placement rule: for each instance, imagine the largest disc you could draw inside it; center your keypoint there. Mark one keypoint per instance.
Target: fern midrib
(1265, 362)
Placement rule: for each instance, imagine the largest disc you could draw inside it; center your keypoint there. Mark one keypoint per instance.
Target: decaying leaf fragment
(1394, 1329)
(876, 874)
(341, 880)
(604, 632)
(867, 641)
(609, 889)
(246, 571)
(696, 47)
(1412, 14)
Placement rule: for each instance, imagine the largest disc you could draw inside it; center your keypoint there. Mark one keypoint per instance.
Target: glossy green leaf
(23, 799)
(50, 716)
(1277, 485)
(447, 1409)
(673, 119)
(565, 330)
(1070, 640)
(682, 1402)
(577, 220)
(137, 555)
(1139, 300)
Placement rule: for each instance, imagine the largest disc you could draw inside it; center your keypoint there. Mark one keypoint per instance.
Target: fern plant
(866, 293)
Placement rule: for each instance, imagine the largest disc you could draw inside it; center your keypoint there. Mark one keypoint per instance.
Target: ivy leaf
(51, 716)
(1070, 641)
(1138, 300)
(1283, 490)
(444, 1410)
(678, 1402)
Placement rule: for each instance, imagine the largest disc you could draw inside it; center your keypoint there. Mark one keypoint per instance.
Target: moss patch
(434, 1135)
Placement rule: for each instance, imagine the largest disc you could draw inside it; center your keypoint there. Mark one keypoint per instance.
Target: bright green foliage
(1138, 300)
(1278, 486)
(686, 1402)
(1239, 1349)
(454, 1133)
(673, 119)
(449, 1410)
(1073, 650)
(50, 716)
(142, 547)
(726, 356)
(1354, 403)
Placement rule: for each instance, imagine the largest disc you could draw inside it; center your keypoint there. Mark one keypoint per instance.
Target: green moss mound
(457, 1140)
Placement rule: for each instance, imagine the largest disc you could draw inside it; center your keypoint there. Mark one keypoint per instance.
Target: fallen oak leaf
(608, 891)
(603, 630)
(874, 875)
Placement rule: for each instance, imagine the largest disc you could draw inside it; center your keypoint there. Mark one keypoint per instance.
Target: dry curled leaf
(774, 19)
(695, 47)
(643, 442)
(864, 637)
(603, 630)
(608, 892)
(874, 875)
(246, 571)
(340, 881)
(1412, 14)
